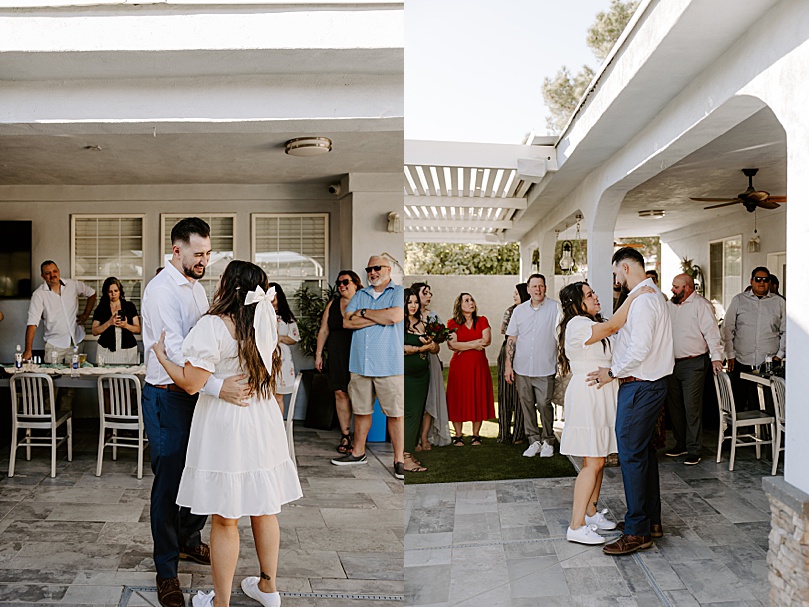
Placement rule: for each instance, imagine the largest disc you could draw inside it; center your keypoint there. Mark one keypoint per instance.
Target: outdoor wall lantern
(308, 146)
(567, 262)
(394, 223)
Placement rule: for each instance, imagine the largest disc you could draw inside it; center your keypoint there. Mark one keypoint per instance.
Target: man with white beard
(376, 314)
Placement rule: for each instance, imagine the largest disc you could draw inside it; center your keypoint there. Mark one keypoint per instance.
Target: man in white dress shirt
(173, 302)
(57, 303)
(697, 347)
(642, 357)
(531, 362)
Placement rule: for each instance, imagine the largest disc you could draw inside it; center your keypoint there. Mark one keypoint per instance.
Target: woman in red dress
(469, 387)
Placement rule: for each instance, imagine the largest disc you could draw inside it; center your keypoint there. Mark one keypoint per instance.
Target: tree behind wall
(563, 92)
(461, 259)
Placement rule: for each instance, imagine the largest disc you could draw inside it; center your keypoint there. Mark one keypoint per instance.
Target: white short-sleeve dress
(589, 412)
(237, 462)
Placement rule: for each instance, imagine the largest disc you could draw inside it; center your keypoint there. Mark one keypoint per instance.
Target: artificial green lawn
(487, 462)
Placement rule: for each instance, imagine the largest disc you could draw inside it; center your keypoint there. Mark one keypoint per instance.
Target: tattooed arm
(511, 347)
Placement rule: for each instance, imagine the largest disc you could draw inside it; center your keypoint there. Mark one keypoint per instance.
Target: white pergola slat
(464, 192)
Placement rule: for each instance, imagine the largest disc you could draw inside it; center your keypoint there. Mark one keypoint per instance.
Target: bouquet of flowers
(438, 331)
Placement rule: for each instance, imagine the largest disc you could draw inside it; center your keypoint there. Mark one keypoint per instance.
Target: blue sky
(474, 68)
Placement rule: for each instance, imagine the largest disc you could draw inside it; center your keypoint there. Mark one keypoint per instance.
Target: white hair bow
(265, 323)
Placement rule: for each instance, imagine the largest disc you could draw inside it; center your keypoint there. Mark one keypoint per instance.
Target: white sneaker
(600, 521)
(202, 599)
(585, 535)
(532, 450)
(267, 599)
(547, 450)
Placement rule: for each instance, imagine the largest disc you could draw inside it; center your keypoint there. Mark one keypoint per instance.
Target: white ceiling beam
(449, 223)
(475, 155)
(449, 237)
(468, 202)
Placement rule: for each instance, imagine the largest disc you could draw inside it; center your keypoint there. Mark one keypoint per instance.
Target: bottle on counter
(18, 357)
(74, 362)
(768, 365)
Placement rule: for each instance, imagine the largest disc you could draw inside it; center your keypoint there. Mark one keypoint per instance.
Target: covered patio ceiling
(249, 152)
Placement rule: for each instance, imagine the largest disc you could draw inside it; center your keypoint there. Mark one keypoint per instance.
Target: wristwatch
(362, 312)
(609, 372)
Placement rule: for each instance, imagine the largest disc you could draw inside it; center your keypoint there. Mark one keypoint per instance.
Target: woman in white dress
(288, 336)
(237, 462)
(589, 431)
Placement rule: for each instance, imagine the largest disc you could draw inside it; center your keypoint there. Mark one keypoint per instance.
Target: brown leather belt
(169, 387)
(630, 379)
(677, 360)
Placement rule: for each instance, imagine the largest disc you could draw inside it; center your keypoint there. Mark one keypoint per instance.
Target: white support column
(796, 472)
(547, 250)
(599, 266)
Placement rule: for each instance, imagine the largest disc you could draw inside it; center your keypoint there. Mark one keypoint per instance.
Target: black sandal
(458, 441)
(476, 441)
(346, 443)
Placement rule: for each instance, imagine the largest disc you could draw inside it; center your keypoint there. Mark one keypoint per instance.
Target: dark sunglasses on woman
(343, 283)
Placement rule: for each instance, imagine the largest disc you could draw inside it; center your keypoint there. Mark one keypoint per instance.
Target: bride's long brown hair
(572, 297)
(239, 278)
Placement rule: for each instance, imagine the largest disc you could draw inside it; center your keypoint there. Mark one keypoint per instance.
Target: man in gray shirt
(531, 362)
(754, 328)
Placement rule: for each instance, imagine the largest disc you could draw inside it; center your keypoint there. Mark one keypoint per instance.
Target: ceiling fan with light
(751, 198)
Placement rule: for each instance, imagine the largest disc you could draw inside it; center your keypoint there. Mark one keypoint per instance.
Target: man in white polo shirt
(531, 362)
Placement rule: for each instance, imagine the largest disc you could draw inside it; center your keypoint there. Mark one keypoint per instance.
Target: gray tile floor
(502, 543)
(85, 540)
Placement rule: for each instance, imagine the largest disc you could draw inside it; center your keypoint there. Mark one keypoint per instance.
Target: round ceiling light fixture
(308, 146)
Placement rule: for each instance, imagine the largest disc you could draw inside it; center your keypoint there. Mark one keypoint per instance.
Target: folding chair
(34, 409)
(119, 408)
(779, 391)
(729, 418)
(291, 416)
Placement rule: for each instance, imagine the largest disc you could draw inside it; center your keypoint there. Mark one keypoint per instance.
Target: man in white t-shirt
(531, 363)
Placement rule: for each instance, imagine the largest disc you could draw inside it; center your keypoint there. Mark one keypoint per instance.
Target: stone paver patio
(502, 543)
(85, 540)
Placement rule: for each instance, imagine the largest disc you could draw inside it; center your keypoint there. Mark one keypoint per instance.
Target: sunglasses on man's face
(343, 283)
(370, 269)
(761, 278)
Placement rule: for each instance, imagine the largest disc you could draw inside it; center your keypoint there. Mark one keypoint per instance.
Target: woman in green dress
(417, 346)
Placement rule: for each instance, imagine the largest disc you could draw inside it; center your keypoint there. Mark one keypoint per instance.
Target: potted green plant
(320, 409)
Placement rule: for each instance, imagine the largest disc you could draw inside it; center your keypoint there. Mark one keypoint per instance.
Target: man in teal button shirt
(376, 314)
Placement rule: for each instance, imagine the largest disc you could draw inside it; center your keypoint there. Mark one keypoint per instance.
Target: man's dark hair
(47, 262)
(544, 282)
(757, 270)
(653, 274)
(188, 226)
(628, 254)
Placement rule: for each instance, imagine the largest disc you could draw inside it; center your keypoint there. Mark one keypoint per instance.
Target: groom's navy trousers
(167, 419)
(639, 404)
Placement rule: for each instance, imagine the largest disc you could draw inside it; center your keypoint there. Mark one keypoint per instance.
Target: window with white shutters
(292, 249)
(104, 246)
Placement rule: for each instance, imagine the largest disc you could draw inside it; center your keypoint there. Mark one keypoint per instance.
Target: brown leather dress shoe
(169, 593)
(656, 529)
(627, 544)
(200, 554)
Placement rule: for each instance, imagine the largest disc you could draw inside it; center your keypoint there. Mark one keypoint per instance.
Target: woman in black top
(337, 342)
(116, 322)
